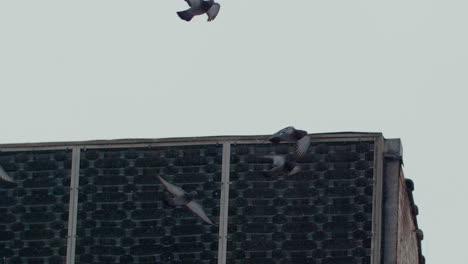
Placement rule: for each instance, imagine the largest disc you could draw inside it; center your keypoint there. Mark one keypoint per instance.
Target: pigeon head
(282, 135)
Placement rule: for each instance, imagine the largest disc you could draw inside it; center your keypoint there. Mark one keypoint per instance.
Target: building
(100, 202)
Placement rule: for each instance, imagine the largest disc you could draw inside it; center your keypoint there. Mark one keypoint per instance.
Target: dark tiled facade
(322, 215)
(122, 216)
(34, 212)
(329, 213)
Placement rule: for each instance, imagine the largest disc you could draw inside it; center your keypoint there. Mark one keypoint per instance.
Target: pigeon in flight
(281, 165)
(4, 176)
(200, 7)
(290, 134)
(183, 198)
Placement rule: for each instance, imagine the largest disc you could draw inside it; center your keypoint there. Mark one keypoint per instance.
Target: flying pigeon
(183, 198)
(290, 134)
(4, 176)
(200, 7)
(281, 165)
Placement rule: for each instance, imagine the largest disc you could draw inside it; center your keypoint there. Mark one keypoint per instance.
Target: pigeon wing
(198, 210)
(4, 176)
(171, 187)
(193, 3)
(295, 170)
(301, 146)
(213, 11)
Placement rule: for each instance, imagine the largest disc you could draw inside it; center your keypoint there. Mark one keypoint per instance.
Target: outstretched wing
(171, 187)
(198, 210)
(193, 2)
(4, 176)
(213, 11)
(301, 146)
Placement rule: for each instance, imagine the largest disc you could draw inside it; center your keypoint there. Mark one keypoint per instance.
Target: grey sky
(79, 70)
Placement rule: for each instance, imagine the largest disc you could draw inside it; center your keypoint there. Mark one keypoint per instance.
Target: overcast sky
(106, 69)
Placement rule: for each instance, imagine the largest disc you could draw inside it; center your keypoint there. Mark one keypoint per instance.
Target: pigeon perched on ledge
(419, 234)
(200, 7)
(183, 198)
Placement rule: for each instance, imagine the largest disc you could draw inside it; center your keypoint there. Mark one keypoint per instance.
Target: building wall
(407, 247)
(323, 215)
(122, 217)
(34, 212)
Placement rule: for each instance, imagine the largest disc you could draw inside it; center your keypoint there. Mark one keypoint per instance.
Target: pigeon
(290, 134)
(200, 7)
(4, 176)
(183, 198)
(281, 165)
(419, 234)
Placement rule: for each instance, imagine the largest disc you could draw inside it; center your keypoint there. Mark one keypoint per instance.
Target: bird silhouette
(419, 234)
(4, 176)
(290, 134)
(200, 7)
(183, 198)
(281, 165)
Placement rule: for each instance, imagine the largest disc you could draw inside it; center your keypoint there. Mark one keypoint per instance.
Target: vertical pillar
(73, 205)
(392, 167)
(376, 245)
(224, 203)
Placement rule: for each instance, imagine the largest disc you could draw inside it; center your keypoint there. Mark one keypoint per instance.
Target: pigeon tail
(185, 15)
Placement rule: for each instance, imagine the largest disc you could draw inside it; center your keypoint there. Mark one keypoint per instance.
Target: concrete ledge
(150, 142)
